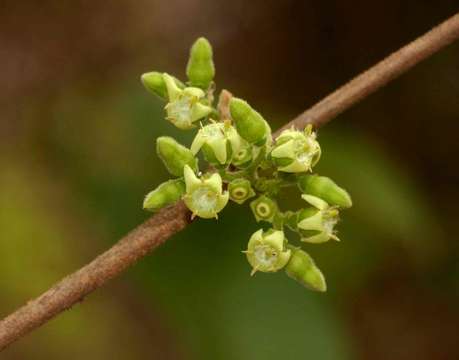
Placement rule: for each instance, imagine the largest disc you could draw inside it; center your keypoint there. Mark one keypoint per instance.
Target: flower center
(266, 256)
(180, 110)
(214, 131)
(241, 154)
(263, 210)
(239, 193)
(204, 199)
(303, 151)
(330, 220)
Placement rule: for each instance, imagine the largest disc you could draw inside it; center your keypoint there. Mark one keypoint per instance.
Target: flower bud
(264, 209)
(165, 194)
(218, 141)
(302, 268)
(266, 251)
(249, 123)
(316, 224)
(326, 189)
(240, 190)
(184, 107)
(204, 196)
(174, 155)
(296, 151)
(154, 82)
(200, 69)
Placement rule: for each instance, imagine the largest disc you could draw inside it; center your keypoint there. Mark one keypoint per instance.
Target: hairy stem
(146, 237)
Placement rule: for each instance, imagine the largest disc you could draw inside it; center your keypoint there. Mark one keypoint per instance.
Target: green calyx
(240, 190)
(264, 209)
(200, 69)
(245, 165)
(174, 155)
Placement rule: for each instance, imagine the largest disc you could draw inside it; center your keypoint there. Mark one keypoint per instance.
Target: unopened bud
(249, 123)
(302, 268)
(200, 69)
(165, 194)
(174, 155)
(154, 82)
(326, 189)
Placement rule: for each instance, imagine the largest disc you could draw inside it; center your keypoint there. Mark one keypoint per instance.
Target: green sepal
(165, 194)
(301, 267)
(290, 219)
(174, 155)
(326, 189)
(240, 190)
(200, 68)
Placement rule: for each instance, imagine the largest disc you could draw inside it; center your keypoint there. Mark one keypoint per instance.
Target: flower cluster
(245, 165)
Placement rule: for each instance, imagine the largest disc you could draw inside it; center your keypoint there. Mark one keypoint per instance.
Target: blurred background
(77, 134)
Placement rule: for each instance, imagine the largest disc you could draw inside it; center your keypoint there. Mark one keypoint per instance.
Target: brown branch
(380, 74)
(171, 220)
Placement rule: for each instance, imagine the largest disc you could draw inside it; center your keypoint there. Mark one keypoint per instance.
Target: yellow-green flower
(296, 151)
(204, 196)
(266, 251)
(317, 224)
(219, 141)
(185, 106)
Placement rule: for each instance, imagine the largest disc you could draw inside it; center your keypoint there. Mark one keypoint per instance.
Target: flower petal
(191, 180)
(315, 201)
